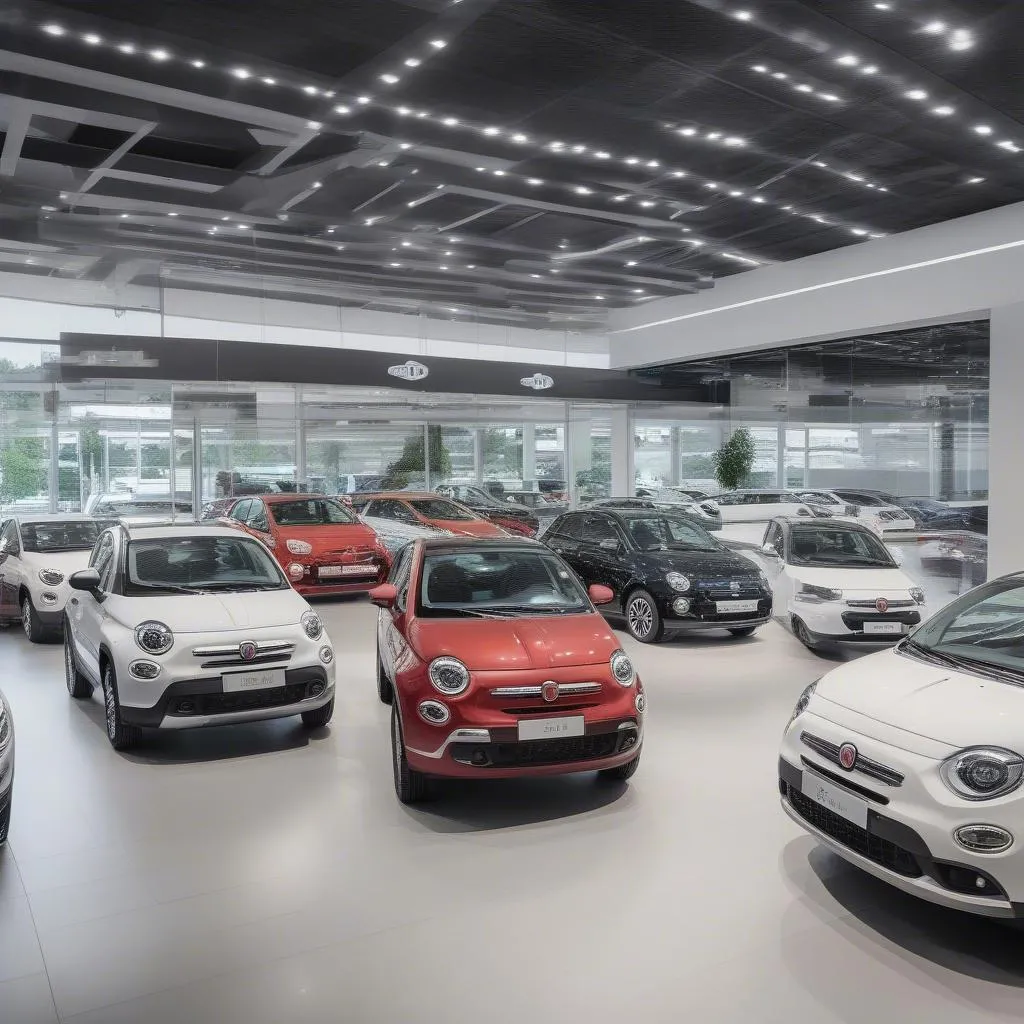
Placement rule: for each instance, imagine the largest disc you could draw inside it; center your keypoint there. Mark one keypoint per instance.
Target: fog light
(326, 655)
(144, 669)
(641, 703)
(186, 707)
(983, 838)
(296, 571)
(49, 598)
(315, 689)
(681, 605)
(434, 712)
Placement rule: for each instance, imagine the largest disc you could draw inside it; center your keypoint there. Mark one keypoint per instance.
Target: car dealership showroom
(494, 511)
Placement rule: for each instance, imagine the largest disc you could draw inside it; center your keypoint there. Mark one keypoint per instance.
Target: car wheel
(5, 819)
(743, 630)
(385, 690)
(320, 717)
(643, 619)
(410, 785)
(34, 629)
(121, 735)
(803, 634)
(622, 772)
(78, 685)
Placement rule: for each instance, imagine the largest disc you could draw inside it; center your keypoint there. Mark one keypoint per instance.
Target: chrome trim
(627, 725)
(865, 765)
(569, 689)
(871, 604)
(231, 650)
(457, 736)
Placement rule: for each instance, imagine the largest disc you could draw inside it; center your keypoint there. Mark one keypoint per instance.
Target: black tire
(320, 717)
(743, 631)
(643, 620)
(31, 623)
(78, 686)
(5, 819)
(385, 690)
(622, 772)
(410, 785)
(122, 736)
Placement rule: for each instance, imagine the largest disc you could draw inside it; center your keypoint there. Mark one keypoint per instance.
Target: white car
(6, 767)
(881, 518)
(189, 626)
(909, 763)
(37, 555)
(836, 583)
(758, 505)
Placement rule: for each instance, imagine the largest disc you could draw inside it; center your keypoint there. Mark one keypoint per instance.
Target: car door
(86, 609)
(391, 642)
(603, 563)
(8, 570)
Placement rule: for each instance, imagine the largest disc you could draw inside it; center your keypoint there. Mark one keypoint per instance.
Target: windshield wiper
(926, 653)
(469, 612)
(538, 609)
(238, 585)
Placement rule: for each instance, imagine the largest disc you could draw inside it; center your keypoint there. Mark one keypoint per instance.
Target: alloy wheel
(26, 618)
(69, 665)
(640, 617)
(109, 705)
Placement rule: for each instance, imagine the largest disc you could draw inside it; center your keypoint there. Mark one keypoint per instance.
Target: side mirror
(771, 550)
(601, 594)
(609, 544)
(384, 596)
(84, 579)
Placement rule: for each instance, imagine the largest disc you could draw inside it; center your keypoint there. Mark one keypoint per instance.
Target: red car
(321, 544)
(497, 664)
(426, 509)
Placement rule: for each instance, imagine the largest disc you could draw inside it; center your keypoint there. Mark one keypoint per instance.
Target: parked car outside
(496, 664)
(6, 767)
(909, 763)
(508, 515)
(37, 555)
(424, 508)
(836, 583)
(322, 545)
(189, 626)
(668, 574)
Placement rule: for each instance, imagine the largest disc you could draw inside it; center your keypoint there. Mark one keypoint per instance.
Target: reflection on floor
(263, 875)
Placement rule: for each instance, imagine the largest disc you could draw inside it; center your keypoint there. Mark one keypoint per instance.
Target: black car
(506, 514)
(931, 514)
(669, 575)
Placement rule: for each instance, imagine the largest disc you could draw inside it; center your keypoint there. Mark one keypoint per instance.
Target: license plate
(884, 628)
(267, 679)
(725, 607)
(327, 571)
(551, 728)
(846, 805)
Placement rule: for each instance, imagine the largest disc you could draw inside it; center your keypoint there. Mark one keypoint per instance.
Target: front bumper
(704, 615)
(908, 841)
(834, 622)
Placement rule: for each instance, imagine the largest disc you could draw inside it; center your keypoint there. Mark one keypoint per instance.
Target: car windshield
(824, 545)
(653, 532)
(200, 564)
(984, 629)
(69, 535)
(311, 512)
(438, 508)
(498, 582)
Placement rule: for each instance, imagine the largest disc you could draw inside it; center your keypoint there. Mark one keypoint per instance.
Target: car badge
(734, 587)
(549, 691)
(882, 604)
(410, 370)
(848, 756)
(247, 650)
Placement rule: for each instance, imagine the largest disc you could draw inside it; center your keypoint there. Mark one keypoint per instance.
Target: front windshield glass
(438, 508)
(983, 628)
(311, 512)
(655, 532)
(70, 535)
(498, 582)
(823, 545)
(200, 564)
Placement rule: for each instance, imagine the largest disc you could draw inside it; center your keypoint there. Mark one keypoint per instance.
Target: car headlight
(917, 594)
(6, 730)
(449, 676)
(983, 773)
(154, 637)
(802, 701)
(809, 592)
(312, 625)
(51, 577)
(677, 581)
(622, 669)
(298, 547)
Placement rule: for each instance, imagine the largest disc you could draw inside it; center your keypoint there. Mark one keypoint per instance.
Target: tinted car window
(311, 512)
(570, 526)
(71, 535)
(388, 508)
(820, 545)
(241, 510)
(200, 564)
(668, 533)
(598, 528)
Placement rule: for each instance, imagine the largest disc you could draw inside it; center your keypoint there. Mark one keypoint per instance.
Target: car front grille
(268, 652)
(540, 752)
(246, 700)
(856, 620)
(865, 765)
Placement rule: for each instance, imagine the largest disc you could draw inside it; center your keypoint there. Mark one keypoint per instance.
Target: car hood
(468, 527)
(499, 645)
(211, 613)
(66, 562)
(875, 582)
(704, 567)
(329, 537)
(955, 708)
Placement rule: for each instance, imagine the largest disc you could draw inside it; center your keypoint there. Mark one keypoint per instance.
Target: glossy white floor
(263, 875)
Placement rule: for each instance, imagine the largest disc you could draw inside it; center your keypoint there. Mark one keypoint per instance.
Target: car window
(818, 497)
(102, 559)
(400, 576)
(597, 528)
(240, 512)
(730, 499)
(569, 526)
(9, 538)
(389, 508)
(311, 512)
(257, 517)
(438, 508)
(61, 535)
(774, 536)
(668, 533)
(824, 546)
(200, 564)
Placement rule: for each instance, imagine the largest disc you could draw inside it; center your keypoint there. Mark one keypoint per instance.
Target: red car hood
(469, 527)
(499, 645)
(329, 537)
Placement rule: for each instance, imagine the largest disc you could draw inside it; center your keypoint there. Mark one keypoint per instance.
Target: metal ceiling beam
(17, 129)
(105, 166)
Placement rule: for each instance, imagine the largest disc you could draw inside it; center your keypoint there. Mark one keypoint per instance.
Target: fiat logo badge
(247, 650)
(882, 605)
(549, 691)
(848, 756)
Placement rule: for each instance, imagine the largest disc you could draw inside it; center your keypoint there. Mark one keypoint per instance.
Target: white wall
(945, 272)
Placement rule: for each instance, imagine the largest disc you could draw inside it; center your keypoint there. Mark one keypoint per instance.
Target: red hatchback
(497, 664)
(321, 544)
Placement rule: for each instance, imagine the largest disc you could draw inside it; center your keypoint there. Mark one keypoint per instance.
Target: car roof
(459, 543)
(27, 518)
(829, 524)
(398, 495)
(280, 498)
(167, 530)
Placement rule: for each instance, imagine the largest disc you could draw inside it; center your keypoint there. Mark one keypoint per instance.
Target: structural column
(529, 455)
(622, 451)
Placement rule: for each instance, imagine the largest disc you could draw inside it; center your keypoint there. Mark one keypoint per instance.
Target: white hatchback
(909, 763)
(190, 626)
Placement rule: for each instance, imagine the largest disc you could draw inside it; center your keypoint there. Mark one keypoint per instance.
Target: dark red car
(321, 544)
(497, 664)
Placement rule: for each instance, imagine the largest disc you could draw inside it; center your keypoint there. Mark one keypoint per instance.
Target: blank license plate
(884, 628)
(327, 571)
(266, 679)
(551, 728)
(735, 606)
(846, 805)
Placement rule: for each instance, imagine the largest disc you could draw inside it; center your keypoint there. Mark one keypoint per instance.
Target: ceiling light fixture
(869, 69)
(975, 181)
(199, 63)
(438, 44)
(159, 55)
(632, 160)
(583, 190)
(631, 263)
(602, 155)
(760, 69)
(92, 39)
(269, 81)
(413, 62)
(364, 99)
(451, 122)
(54, 30)
(679, 174)
(848, 60)
(600, 298)
(492, 130)
(653, 163)
(310, 90)
(318, 184)
(241, 72)
(742, 15)
(394, 264)
(171, 213)
(735, 140)
(1007, 144)
(500, 174)
(314, 126)
(830, 97)
(405, 145)
(781, 75)
(534, 181)
(935, 28)
(983, 129)
(804, 88)
(126, 48)
(390, 79)
(647, 203)
(520, 138)
(943, 111)
(961, 39)
(916, 94)
(124, 216)
(342, 109)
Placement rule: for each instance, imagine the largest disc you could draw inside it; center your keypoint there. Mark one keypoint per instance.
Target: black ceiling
(517, 161)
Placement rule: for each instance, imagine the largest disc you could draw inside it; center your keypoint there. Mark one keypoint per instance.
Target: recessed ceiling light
(330, 95)
(780, 75)
(714, 135)
(869, 69)
(342, 109)
(443, 267)
(858, 231)
(758, 199)
(492, 130)
(848, 60)
(126, 48)
(454, 239)
(961, 39)
(970, 181)
(579, 149)
(883, 7)
(310, 90)
(314, 126)
(269, 81)
(159, 55)
(241, 72)
(830, 97)
(736, 193)
(363, 99)
(438, 44)
(339, 247)
(534, 181)
(92, 39)
(405, 145)
(735, 140)
(471, 266)
(632, 160)
(389, 79)
(943, 111)
(537, 276)
(935, 28)
(124, 216)
(647, 203)
(983, 129)
(583, 190)
(638, 291)
(653, 163)
(403, 111)
(451, 122)
(199, 63)
(600, 154)
(916, 94)
(631, 263)
(553, 271)
(742, 15)
(413, 62)
(171, 213)
(711, 184)
(383, 163)
(619, 199)
(1007, 144)
(520, 138)
(318, 184)
(30, 260)
(600, 298)
(760, 69)
(54, 30)
(500, 174)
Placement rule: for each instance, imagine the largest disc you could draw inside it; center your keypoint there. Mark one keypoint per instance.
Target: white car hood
(954, 708)
(891, 583)
(211, 613)
(66, 562)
